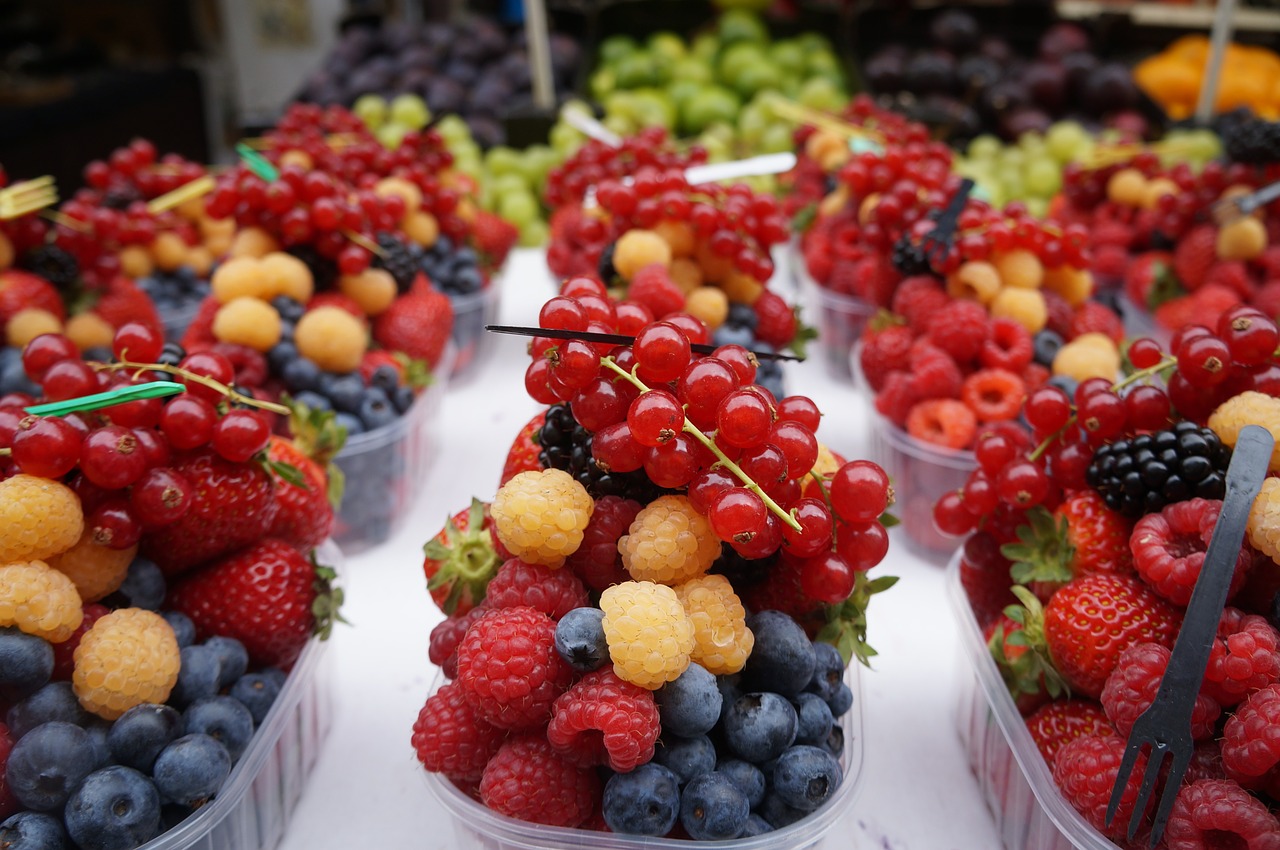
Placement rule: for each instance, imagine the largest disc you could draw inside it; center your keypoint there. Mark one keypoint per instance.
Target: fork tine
(1131, 751)
(1149, 780)
(1173, 782)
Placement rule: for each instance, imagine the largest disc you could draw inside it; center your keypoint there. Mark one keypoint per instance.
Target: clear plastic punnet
(840, 319)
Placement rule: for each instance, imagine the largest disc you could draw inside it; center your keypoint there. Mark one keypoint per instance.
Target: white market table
(917, 792)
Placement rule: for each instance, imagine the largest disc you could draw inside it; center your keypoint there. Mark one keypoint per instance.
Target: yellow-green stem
(203, 380)
(711, 446)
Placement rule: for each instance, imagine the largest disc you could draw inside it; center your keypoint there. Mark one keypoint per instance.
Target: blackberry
(398, 260)
(1143, 474)
(605, 268)
(909, 258)
(567, 445)
(743, 572)
(324, 271)
(54, 264)
(119, 196)
(1248, 139)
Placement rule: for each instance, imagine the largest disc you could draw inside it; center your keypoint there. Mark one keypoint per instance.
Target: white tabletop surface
(917, 792)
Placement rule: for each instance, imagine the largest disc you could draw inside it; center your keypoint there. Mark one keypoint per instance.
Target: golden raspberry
(1074, 285)
(1264, 519)
(128, 657)
(709, 304)
(29, 323)
(721, 639)
(38, 518)
(637, 249)
(1242, 239)
(669, 542)
(1248, 408)
(1024, 306)
(976, 279)
(1091, 355)
(373, 290)
(332, 338)
(96, 570)
(239, 277)
(252, 242)
(168, 250)
(649, 635)
(249, 322)
(1127, 186)
(89, 330)
(540, 516)
(1019, 267)
(39, 600)
(285, 274)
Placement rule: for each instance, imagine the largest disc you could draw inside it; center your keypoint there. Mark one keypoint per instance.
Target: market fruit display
(1173, 78)
(653, 641)
(157, 586)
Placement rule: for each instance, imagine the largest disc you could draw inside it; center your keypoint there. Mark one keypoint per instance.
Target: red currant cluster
(120, 455)
(597, 161)
(135, 172)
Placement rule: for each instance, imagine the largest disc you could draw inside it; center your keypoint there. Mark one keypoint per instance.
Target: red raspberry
(942, 422)
(1092, 317)
(1110, 233)
(1007, 347)
(597, 561)
(917, 299)
(1035, 376)
(843, 279)
(64, 653)
(1206, 762)
(1195, 253)
(1215, 813)
(529, 781)
(8, 802)
(604, 720)
(1149, 277)
(653, 287)
(1086, 768)
(1267, 299)
(1132, 686)
(934, 373)
(818, 260)
(775, 321)
(885, 351)
(1250, 745)
(874, 280)
(1059, 312)
(199, 332)
(1245, 657)
(1110, 262)
(897, 397)
(1233, 275)
(1055, 725)
(450, 738)
(553, 592)
(445, 637)
(994, 395)
(509, 668)
(984, 574)
(1169, 547)
(960, 330)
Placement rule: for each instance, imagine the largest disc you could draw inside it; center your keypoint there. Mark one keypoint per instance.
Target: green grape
(602, 83)
(705, 47)
(1011, 159)
(789, 56)
(753, 122)
(371, 109)
(615, 47)
(1043, 177)
(453, 130)
(565, 139)
(410, 110)
(502, 160)
(691, 69)
(470, 165)
(667, 46)
(467, 148)
(985, 147)
(637, 70)
(741, 25)
(1067, 141)
(620, 125)
(1032, 144)
(653, 108)
(519, 208)
(391, 134)
(1038, 207)
(534, 233)
(822, 93)
(778, 138)
(507, 184)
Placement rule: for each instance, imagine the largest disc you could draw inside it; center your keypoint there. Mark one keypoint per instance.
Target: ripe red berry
(111, 457)
(240, 435)
(137, 342)
(737, 515)
(827, 578)
(44, 351)
(160, 498)
(48, 447)
(860, 491)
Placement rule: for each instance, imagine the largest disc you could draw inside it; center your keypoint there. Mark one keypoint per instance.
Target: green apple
(741, 25)
(705, 47)
(410, 110)
(615, 47)
(822, 93)
(737, 59)
(371, 109)
(667, 46)
(788, 55)
(713, 103)
(653, 108)
(693, 70)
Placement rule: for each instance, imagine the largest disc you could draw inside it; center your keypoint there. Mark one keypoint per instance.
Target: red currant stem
(5, 452)
(711, 446)
(203, 380)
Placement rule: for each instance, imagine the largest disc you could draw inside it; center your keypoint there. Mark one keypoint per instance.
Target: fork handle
(1260, 198)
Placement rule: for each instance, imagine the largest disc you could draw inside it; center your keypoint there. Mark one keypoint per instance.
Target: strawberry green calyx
(318, 435)
(417, 372)
(461, 560)
(1044, 552)
(804, 335)
(846, 627)
(326, 609)
(1023, 655)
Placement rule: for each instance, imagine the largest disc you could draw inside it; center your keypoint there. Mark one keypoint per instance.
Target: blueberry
(778, 814)
(1045, 346)
(756, 825)
(841, 700)
(26, 663)
(402, 398)
(376, 410)
(346, 392)
(281, 355)
(197, 675)
(385, 378)
(275, 674)
(47, 764)
(233, 658)
(732, 335)
(645, 801)
(287, 330)
(353, 425)
(97, 353)
(191, 770)
(223, 718)
(580, 639)
(171, 354)
(312, 400)
(686, 757)
(712, 808)
(828, 671)
(749, 778)
(468, 280)
(813, 717)
(138, 735)
(117, 808)
(834, 742)
(805, 777)
(55, 701)
(289, 310)
(1274, 615)
(144, 586)
(183, 629)
(1065, 383)
(257, 692)
(772, 383)
(782, 660)
(98, 730)
(743, 315)
(690, 705)
(300, 374)
(759, 726)
(730, 688)
(33, 831)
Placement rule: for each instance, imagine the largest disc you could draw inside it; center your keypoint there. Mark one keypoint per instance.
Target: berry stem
(5, 452)
(711, 446)
(187, 375)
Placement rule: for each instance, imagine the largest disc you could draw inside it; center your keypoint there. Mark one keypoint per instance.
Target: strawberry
(1202, 307)
(200, 332)
(1110, 263)
(1267, 298)
(1099, 536)
(122, 302)
(1233, 275)
(1149, 281)
(375, 357)
(417, 324)
(269, 596)
(1092, 317)
(523, 454)
(21, 290)
(305, 517)
(1195, 253)
(1021, 670)
(1054, 725)
(461, 559)
(493, 237)
(233, 505)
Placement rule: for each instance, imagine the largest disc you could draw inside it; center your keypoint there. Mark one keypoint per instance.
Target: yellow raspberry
(135, 261)
(39, 600)
(686, 274)
(740, 288)
(285, 274)
(89, 330)
(38, 518)
(1243, 239)
(373, 289)
(96, 570)
(128, 657)
(1091, 355)
(169, 251)
(669, 542)
(540, 516)
(6, 252)
(1020, 268)
(679, 235)
(1074, 285)
(637, 249)
(253, 242)
(239, 277)
(1248, 408)
(29, 323)
(1128, 186)
(975, 279)
(249, 322)
(1024, 306)
(407, 190)
(1264, 519)
(721, 639)
(331, 338)
(709, 304)
(649, 635)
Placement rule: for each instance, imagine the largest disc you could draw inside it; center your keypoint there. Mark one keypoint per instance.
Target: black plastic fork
(937, 242)
(1165, 726)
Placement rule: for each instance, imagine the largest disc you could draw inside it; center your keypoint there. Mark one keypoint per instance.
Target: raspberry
(529, 781)
(934, 373)
(1243, 238)
(649, 635)
(597, 561)
(1244, 409)
(509, 669)
(1020, 267)
(39, 600)
(1267, 298)
(373, 289)
(1027, 307)
(669, 542)
(38, 518)
(129, 657)
(781, 591)
(918, 299)
(1219, 813)
(1232, 275)
(721, 639)
(1008, 346)
(540, 516)
(636, 249)
(1250, 746)
(897, 397)
(775, 320)
(871, 279)
(1086, 768)
(1195, 252)
(450, 738)
(442, 649)
(652, 286)
(32, 322)
(94, 569)
(1092, 317)
(1206, 762)
(1245, 657)
(1132, 686)
(605, 720)
(553, 592)
(331, 338)
(960, 330)
(883, 352)
(1110, 262)
(1111, 233)
(1088, 356)
(994, 395)
(1055, 724)
(943, 422)
(1169, 548)
(249, 322)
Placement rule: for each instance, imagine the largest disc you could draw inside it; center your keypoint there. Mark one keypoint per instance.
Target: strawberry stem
(711, 446)
(203, 380)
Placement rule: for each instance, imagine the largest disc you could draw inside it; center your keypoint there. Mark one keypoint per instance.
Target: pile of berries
(157, 577)
(595, 162)
(677, 608)
(1085, 541)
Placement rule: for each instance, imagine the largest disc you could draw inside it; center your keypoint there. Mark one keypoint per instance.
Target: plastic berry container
(1139, 322)
(1015, 780)
(840, 319)
(386, 468)
(476, 827)
(471, 312)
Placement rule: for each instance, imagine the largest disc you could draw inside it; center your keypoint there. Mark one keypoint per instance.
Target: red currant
(616, 450)
(112, 524)
(827, 578)
(207, 364)
(675, 463)
(48, 447)
(743, 419)
(662, 353)
(1145, 353)
(187, 422)
(1022, 484)
(862, 546)
(1047, 409)
(656, 417)
(162, 497)
(798, 408)
(707, 484)
(111, 457)
(860, 491)
(952, 517)
(137, 342)
(737, 515)
(240, 435)
(814, 535)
